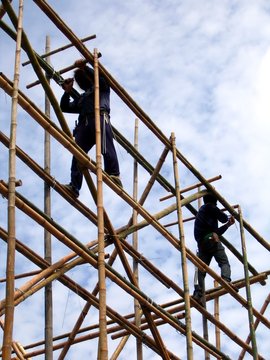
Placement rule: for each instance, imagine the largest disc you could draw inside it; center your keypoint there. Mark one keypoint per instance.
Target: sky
(200, 70)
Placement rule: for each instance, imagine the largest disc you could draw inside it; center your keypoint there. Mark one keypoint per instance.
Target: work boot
(116, 179)
(74, 192)
(197, 296)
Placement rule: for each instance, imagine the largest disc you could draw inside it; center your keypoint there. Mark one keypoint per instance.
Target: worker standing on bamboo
(84, 132)
(206, 233)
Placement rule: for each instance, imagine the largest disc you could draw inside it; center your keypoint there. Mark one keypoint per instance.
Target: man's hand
(231, 221)
(68, 84)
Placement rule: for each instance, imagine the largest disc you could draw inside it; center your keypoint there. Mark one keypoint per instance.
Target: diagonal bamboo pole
(10, 264)
(183, 253)
(248, 292)
(264, 307)
(102, 344)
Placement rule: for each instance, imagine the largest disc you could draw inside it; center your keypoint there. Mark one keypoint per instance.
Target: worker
(84, 132)
(207, 233)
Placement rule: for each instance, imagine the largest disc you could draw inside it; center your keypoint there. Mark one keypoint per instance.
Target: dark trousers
(209, 249)
(85, 137)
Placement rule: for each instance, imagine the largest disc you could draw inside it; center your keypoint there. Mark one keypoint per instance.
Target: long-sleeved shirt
(207, 220)
(85, 104)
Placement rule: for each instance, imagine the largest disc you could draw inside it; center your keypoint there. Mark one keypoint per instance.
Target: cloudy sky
(200, 69)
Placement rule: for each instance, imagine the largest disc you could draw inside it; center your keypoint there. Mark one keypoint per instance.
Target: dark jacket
(85, 103)
(207, 221)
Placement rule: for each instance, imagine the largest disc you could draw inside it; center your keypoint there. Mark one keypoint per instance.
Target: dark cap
(210, 199)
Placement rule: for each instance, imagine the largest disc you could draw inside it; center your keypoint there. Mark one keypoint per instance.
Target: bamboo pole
(119, 348)
(216, 314)
(137, 309)
(248, 292)
(183, 253)
(62, 48)
(48, 331)
(10, 265)
(264, 307)
(102, 345)
(191, 187)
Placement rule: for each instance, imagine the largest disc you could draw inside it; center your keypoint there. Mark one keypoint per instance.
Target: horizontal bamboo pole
(62, 48)
(191, 187)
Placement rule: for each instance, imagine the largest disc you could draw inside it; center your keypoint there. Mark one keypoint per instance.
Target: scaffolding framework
(148, 323)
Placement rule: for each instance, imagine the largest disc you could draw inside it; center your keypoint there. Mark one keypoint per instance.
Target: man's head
(83, 79)
(209, 199)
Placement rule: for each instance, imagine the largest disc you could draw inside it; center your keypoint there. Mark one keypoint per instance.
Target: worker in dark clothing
(206, 233)
(84, 132)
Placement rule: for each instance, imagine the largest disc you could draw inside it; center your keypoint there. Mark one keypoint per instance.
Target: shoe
(198, 297)
(116, 179)
(74, 192)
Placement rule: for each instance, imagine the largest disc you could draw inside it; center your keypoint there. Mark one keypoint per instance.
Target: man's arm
(65, 104)
(224, 227)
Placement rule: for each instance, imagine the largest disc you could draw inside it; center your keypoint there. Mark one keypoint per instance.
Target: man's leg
(111, 165)
(85, 138)
(223, 262)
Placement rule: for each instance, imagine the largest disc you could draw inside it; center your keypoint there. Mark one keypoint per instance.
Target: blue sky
(198, 69)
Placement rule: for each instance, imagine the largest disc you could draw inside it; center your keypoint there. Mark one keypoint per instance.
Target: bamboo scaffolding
(183, 253)
(248, 292)
(203, 265)
(148, 302)
(152, 311)
(45, 7)
(77, 288)
(37, 116)
(123, 282)
(10, 264)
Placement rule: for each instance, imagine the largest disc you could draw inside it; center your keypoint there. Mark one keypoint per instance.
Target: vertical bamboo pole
(102, 345)
(248, 291)
(135, 242)
(47, 235)
(183, 253)
(216, 314)
(9, 305)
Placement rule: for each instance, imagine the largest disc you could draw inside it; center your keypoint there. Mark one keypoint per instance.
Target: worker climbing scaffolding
(206, 233)
(84, 132)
